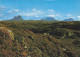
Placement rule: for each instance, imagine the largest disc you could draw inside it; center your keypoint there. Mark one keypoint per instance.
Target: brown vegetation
(39, 39)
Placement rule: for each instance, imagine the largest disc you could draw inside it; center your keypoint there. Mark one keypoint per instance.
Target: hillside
(39, 39)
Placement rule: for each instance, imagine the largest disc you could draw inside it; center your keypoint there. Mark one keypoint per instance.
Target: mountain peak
(48, 19)
(17, 18)
(70, 19)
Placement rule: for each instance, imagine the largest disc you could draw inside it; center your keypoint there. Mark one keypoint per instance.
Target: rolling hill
(39, 39)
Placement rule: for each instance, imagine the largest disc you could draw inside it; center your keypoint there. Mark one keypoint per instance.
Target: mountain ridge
(17, 18)
(70, 19)
(49, 19)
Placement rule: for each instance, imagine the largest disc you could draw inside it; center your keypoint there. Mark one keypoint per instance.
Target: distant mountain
(70, 19)
(49, 19)
(17, 18)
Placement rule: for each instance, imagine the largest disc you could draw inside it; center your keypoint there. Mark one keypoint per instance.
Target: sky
(38, 9)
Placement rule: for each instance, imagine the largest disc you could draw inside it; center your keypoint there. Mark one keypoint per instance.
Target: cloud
(37, 13)
(16, 10)
(7, 13)
(2, 12)
(2, 8)
(2, 16)
(29, 14)
(13, 11)
(51, 15)
(69, 15)
(33, 12)
(34, 9)
(51, 10)
(78, 16)
(37, 16)
(10, 12)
